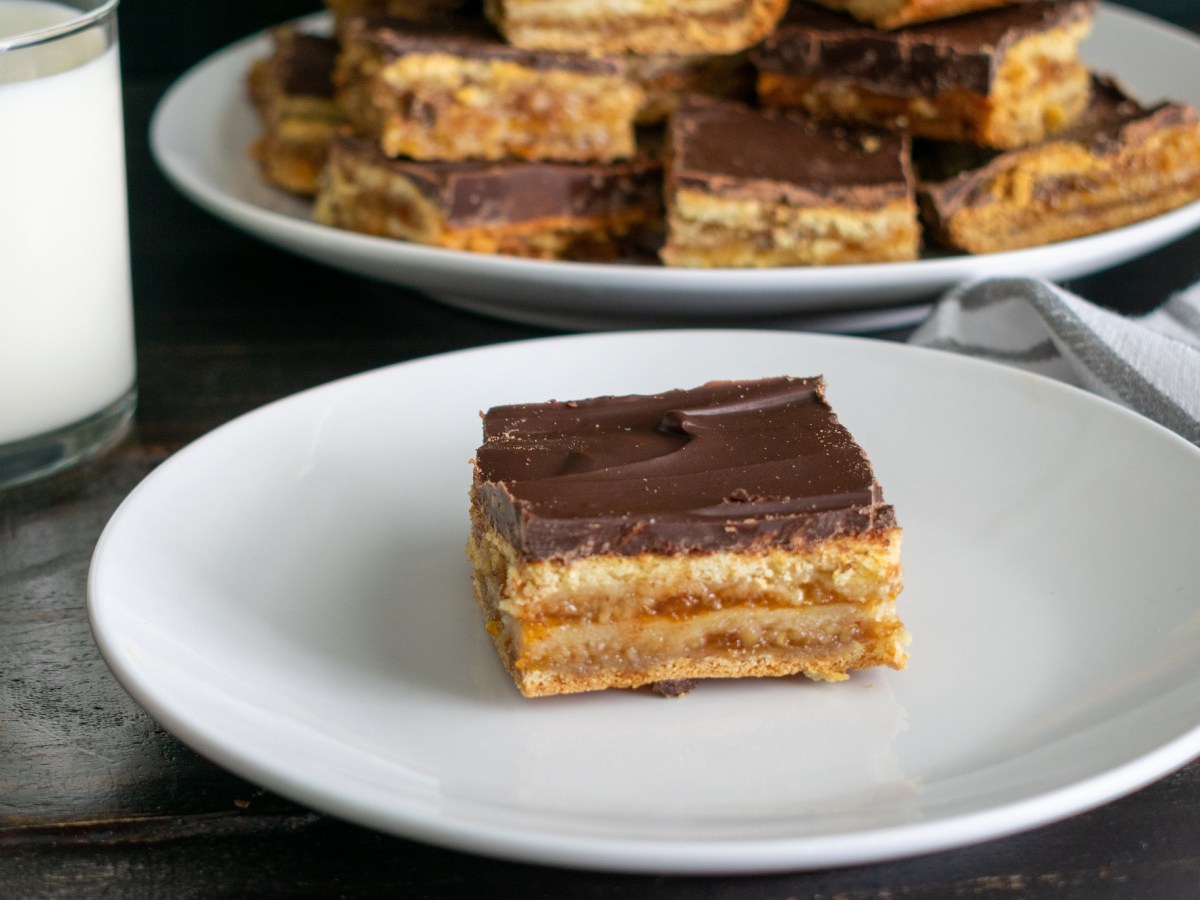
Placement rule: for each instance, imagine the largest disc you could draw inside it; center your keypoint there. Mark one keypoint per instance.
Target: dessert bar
(1122, 162)
(751, 188)
(594, 211)
(731, 530)
(460, 93)
(890, 14)
(292, 90)
(1000, 78)
(636, 26)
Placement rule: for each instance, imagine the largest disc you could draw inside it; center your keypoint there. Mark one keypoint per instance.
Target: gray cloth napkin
(1148, 363)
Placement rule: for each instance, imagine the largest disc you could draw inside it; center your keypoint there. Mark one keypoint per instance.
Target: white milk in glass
(66, 330)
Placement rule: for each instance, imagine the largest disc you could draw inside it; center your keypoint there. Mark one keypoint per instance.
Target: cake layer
(802, 194)
(636, 26)
(1000, 78)
(459, 93)
(532, 209)
(1121, 163)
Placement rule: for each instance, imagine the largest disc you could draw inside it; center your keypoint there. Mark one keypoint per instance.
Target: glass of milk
(67, 387)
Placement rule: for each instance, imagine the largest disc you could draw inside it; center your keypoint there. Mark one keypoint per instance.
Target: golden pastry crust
(706, 231)
(636, 26)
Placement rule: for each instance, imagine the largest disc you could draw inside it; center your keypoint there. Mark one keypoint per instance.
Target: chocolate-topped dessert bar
(890, 14)
(1121, 163)
(635, 26)
(292, 90)
(998, 78)
(461, 93)
(751, 188)
(731, 530)
(547, 210)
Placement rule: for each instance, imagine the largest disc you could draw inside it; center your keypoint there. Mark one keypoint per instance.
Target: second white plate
(204, 126)
(290, 596)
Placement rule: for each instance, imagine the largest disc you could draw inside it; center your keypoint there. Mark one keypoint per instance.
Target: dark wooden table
(97, 800)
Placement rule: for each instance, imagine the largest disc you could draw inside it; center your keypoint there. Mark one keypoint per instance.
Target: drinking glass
(67, 366)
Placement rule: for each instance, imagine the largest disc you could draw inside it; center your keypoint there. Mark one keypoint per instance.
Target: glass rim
(83, 21)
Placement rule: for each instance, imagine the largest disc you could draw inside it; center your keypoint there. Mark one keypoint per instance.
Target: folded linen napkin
(1148, 363)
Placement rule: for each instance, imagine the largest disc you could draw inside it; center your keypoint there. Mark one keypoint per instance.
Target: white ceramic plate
(204, 125)
(290, 596)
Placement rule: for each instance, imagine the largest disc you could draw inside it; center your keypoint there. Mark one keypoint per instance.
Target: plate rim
(792, 853)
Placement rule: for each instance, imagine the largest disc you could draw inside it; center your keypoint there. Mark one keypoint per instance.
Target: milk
(66, 325)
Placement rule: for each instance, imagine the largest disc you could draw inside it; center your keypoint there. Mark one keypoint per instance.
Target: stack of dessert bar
(716, 133)
(520, 129)
(1017, 144)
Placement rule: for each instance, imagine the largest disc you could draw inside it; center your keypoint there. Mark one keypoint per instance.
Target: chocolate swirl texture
(727, 466)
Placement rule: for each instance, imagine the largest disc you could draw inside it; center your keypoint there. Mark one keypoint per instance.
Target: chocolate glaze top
(738, 152)
(954, 176)
(962, 52)
(727, 466)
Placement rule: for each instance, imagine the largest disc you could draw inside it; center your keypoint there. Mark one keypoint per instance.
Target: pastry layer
(453, 95)
(1000, 78)
(890, 14)
(293, 92)
(621, 621)
(636, 26)
(1120, 164)
(802, 195)
(735, 529)
(541, 210)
